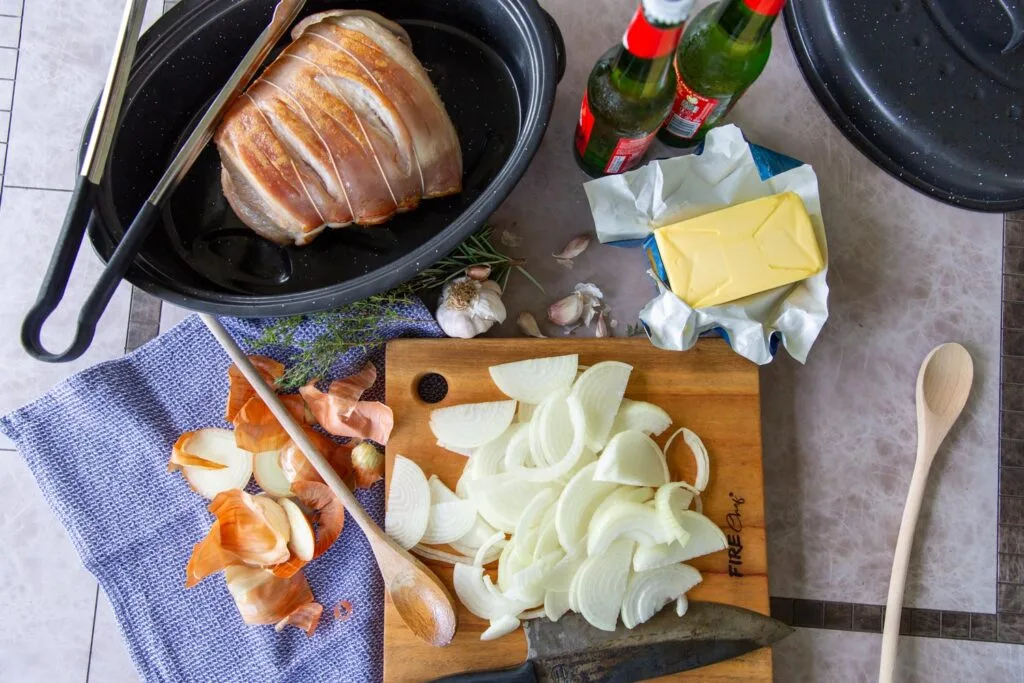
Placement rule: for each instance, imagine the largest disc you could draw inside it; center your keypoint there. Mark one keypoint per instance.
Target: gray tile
(143, 319)
(171, 315)
(838, 615)
(1011, 510)
(956, 625)
(1011, 481)
(822, 656)
(8, 62)
(1012, 422)
(58, 81)
(47, 597)
(5, 124)
(1014, 236)
(1009, 598)
(110, 662)
(1011, 628)
(1011, 453)
(867, 618)
(29, 222)
(10, 8)
(6, 95)
(808, 613)
(925, 623)
(1013, 342)
(10, 28)
(1013, 260)
(781, 609)
(1013, 287)
(1013, 368)
(1011, 539)
(1011, 568)
(1013, 315)
(983, 627)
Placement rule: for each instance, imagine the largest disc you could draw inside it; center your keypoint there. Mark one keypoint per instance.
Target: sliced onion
(682, 604)
(181, 456)
(275, 515)
(600, 585)
(489, 459)
(700, 454)
(528, 584)
(328, 510)
(531, 380)
(531, 518)
(430, 553)
(439, 493)
(535, 613)
(501, 498)
(447, 522)
(217, 446)
(577, 504)
(525, 412)
(470, 585)
(632, 458)
(472, 424)
(671, 497)
(496, 541)
(556, 603)
(499, 627)
(641, 416)
(302, 541)
(518, 453)
(570, 460)
(540, 426)
(600, 390)
(562, 574)
(408, 508)
(634, 521)
(704, 538)
(547, 536)
(510, 562)
(649, 591)
(465, 452)
(266, 468)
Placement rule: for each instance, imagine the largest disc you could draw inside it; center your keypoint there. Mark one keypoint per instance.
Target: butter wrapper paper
(627, 208)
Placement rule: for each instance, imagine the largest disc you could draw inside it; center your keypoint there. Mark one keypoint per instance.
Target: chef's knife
(573, 650)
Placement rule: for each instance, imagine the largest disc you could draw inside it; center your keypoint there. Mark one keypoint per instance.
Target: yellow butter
(739, 251)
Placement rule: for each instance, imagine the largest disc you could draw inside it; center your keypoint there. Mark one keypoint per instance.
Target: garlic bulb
(469, 307)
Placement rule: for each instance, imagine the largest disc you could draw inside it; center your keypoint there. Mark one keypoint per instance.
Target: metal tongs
(80, 211)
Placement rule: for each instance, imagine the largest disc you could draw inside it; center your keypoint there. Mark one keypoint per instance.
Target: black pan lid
(931, 90)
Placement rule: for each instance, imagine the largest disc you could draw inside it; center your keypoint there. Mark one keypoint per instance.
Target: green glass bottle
(630, 90)
(723, 51)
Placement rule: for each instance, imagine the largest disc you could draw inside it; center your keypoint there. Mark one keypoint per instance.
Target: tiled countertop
(906, 273)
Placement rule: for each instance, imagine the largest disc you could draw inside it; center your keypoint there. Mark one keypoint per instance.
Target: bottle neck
(642, 63)
(747, 21)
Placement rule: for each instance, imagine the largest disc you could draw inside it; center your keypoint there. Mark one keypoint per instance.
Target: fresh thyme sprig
(357, 325)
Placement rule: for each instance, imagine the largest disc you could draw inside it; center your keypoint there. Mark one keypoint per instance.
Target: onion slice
(217, 446)
(635, 521)
(600, 390)
(641, 416)
(269, 475)
(531, 380)
(329, 513)
(408, 508)
(448, 521)
(430, 553)
(489, 458)
(632, 458)
(495, 541)
(649, 591)
(577, 504)
(472, 424)
(302, 541)
(704, 538)
(471, 585)
(501, 499)
(600, 585)
(700, 455)
(671, 497)
(182, 456)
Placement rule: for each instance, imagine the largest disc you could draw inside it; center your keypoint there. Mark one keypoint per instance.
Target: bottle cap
(667, 11)
(766, 7)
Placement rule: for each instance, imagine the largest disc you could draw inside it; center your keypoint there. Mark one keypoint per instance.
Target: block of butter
(739, 251)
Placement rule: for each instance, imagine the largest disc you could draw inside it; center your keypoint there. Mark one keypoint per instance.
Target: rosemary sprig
(356, 326)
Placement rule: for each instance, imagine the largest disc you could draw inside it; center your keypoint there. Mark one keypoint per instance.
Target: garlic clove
(478, 272)
(528, 325)
(575, 247)
(602, 327)
(566, 311)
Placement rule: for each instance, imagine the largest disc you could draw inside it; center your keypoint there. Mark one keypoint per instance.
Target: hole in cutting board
(432, 388)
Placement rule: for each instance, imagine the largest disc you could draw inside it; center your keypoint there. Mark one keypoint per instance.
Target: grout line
(92, 635)
(40, 189)
(14, 88)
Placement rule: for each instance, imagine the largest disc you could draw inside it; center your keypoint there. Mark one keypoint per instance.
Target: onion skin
(256, 428)
(330, 513)
(239, 389)
(181, 457)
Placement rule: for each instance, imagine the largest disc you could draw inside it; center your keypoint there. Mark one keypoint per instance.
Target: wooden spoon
(942, 388)
(419, 596)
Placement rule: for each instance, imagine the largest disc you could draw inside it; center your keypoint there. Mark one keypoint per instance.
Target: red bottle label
(584, 126)
(643, 39)
(769, 8)
(691, 110)
(628, 153)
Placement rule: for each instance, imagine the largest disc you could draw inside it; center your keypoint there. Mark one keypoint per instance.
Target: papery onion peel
(329, 513)
(239, 389)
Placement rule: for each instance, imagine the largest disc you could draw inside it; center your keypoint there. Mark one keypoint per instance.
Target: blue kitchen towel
(98, 446)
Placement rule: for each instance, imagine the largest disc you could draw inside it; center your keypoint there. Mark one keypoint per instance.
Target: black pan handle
(1015, 11)
(556, 35)
(55, 281)
(519, 674)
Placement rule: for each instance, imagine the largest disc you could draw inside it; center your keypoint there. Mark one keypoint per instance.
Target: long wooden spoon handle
(898, 580)
(295, 431)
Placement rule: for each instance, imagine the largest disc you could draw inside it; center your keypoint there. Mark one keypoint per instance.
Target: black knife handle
(519, 674)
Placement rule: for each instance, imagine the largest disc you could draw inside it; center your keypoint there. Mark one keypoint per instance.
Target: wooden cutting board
(709, 389)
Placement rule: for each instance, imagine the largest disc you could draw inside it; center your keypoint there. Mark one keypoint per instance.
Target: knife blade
(573, 650)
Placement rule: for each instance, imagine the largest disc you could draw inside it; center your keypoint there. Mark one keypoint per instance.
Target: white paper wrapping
(630, 206)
